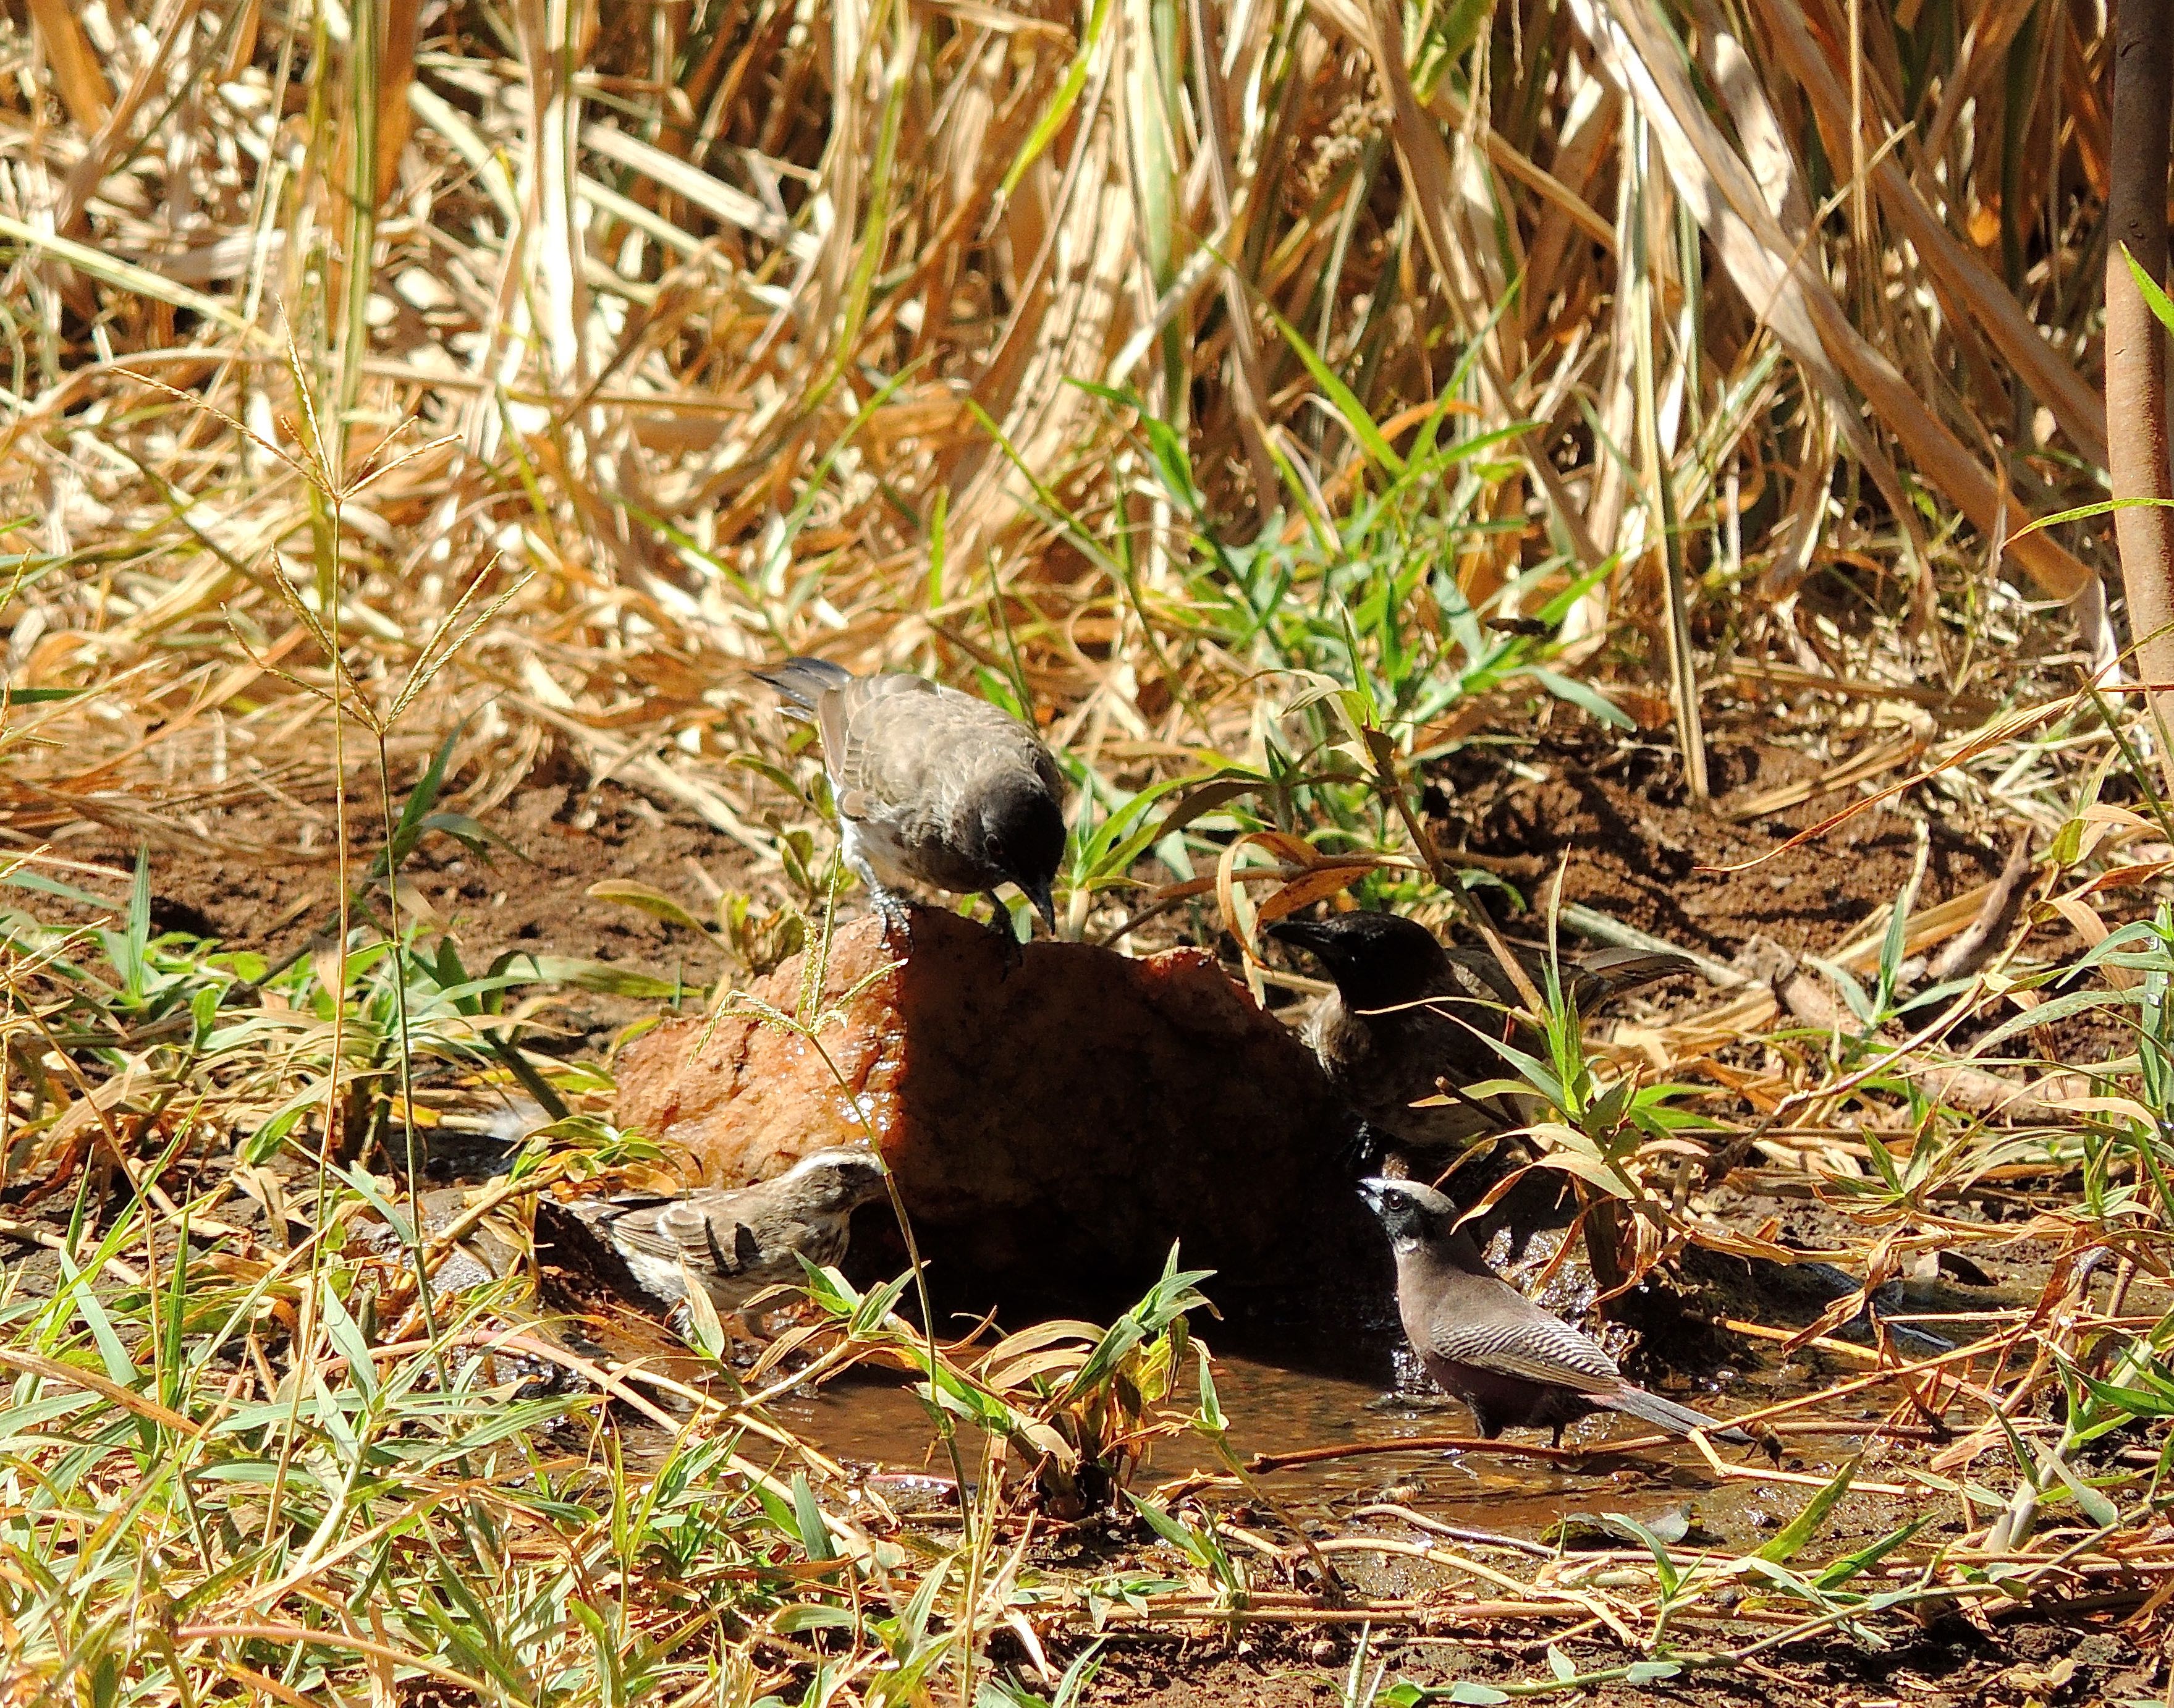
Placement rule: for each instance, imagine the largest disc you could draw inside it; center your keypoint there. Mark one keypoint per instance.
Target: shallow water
(1290, 1386)
(873, 1421)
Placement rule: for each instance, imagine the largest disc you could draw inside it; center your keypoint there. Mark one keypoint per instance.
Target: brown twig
(1977, 943)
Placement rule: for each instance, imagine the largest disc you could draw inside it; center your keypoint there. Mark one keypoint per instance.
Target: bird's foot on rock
(895, 913)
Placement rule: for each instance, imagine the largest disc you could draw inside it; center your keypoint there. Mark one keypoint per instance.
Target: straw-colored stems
(1662, 533)
(81, 84)
(2136, 344)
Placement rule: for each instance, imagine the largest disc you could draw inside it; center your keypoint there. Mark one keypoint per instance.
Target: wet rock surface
(1056, 1115)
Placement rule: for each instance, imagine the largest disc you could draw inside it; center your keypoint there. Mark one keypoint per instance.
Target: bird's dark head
(839, 1179)
(1379, 960)
(1022, 836)
(1412, 1215)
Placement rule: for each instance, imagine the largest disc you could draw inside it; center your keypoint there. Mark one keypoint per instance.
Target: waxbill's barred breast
(933, 787)
(1406, 1012)
(1514, 1365)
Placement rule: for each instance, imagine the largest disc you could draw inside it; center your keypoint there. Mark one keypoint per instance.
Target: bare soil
(1619, 823)
(1952, 1664)
(529, 891)
(1614, 819)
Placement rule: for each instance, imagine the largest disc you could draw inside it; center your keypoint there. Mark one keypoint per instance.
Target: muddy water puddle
(873, 1421)
(1285, 1396)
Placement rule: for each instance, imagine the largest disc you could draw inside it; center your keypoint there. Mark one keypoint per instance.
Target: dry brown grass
(710, 327)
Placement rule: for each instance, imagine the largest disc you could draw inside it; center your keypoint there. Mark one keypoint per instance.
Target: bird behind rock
(1406, 1012)
(1514, 1365)
(735, 1242)
(932, 786)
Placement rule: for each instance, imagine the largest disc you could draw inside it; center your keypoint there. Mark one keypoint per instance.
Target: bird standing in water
(932, 786)
(734, 1242)
(1514, 1365)
(1406, 1012)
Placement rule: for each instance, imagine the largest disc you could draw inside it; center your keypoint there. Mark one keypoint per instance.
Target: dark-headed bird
(1406, 1012)
(734, 1242)
(1514, 1365)
(932, 786)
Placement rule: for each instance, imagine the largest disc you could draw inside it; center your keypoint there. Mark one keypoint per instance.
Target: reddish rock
(1056, 1118)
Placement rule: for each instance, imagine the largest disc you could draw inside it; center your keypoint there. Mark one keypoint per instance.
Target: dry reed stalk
(77, 76)
(1286, 239)
(2136, 344)
(1964, 282)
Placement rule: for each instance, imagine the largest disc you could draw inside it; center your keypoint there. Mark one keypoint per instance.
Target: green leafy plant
(1076, 1406)
(1611, 1132)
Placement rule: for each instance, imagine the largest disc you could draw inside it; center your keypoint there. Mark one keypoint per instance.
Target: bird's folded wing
(707, 1241)
(881, 735)
(610, 1212)
(1476, 981)
(1529, 1344)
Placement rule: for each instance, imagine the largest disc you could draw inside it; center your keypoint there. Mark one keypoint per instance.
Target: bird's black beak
(1044, 905)
(1299, 933)
(1372, 1191)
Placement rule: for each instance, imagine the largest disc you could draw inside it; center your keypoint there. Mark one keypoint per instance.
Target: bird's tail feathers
(1612, 973)
(1680, 1421)
(803, 680)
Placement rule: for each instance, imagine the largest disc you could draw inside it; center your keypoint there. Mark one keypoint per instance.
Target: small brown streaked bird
(735, 1241)
(1406, 1012)
(932, 786)
(1514, 1365)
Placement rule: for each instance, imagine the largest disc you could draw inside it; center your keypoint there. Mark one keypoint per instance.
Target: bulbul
(1406, 1012)
(734, 1242)
(1484, 1341)
(933, 785)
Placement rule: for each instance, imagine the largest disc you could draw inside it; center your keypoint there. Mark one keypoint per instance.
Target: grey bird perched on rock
(1514, 1365)
(736, 1241)
(933, 785)
(1406, 1012)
